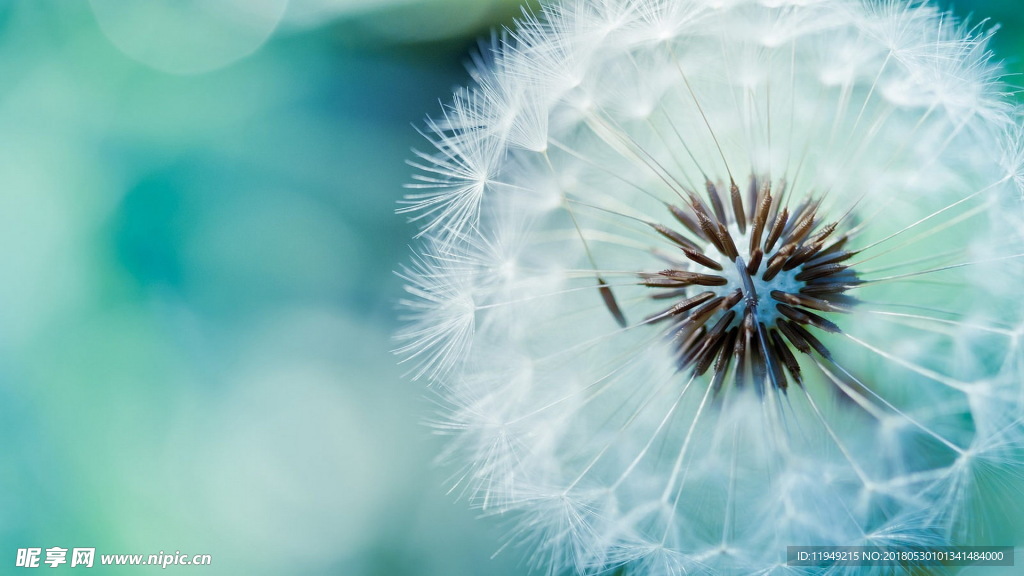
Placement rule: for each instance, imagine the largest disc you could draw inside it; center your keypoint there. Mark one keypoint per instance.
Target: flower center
(768, 273)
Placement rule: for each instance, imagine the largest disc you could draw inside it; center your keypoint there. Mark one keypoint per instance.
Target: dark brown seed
(690, 342)
(793, 336)
(732, 299)
(702, 359)
(804, 300)
(688, 221)
(752, 197)
(824, 257)
(674, 236)
(682, 306)
(811, 340)
(826, 288)
(743, 337)
(823, 324)
(758, 366)
(820, 272)
(811, 247)
(823, 234)
(796, 213)
(771, 361)
(786, 355)
(662, 282)
(610, 303)
(760, 220)
(714, 338)
(836, 246)
(697, 318)
(730, 247)
(724, 357)
(695, 277)
(776, 262)
(773, 210)
(740, 370)
(776, 231)
(802, 226)
(711, 231)
(707, 309)
(737, 208)
(716, 201)
(793, 314)
(804, 317)
(802, 255)
(702, 259)
(755, 262)
(681, 279)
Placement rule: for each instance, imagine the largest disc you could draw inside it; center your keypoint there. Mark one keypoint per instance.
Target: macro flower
(698, 280)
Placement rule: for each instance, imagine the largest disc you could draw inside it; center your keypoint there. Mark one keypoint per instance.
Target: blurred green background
(197, 238)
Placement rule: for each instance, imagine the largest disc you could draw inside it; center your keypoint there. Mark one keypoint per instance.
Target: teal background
(197, 239)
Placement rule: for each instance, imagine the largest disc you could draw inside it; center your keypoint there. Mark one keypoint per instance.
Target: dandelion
(703, 279)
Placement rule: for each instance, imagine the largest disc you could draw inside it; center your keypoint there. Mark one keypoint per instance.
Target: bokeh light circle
(188, 36)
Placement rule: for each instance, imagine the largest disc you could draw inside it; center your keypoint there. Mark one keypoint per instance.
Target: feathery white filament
(557, 299)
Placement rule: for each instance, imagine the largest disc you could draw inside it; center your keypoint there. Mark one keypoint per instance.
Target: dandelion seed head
(703, 279)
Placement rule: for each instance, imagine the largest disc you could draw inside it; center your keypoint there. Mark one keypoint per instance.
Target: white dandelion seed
(704, 279)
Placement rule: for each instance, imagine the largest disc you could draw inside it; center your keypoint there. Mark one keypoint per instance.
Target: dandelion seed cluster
(702, 279)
